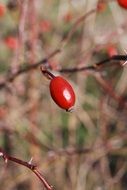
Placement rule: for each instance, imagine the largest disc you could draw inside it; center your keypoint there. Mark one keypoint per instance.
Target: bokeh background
(82, 150)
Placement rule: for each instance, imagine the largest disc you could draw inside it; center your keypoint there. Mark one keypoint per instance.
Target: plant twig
(75, 25)
(94, 67)
(29, 165)
(28, 67)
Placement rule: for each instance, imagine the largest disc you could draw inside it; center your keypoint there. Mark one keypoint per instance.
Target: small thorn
(124, 63)
(126, 55)
(30, 162)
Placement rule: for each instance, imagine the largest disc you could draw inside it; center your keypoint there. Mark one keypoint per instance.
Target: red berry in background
(111, 50)
(2, 10)
(62, 93)
(68, 17)
(3, 112)
(45, 26)
(101, 6)
(123, 3)
(11, 42)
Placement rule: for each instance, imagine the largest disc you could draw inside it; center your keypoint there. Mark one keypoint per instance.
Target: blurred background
(82, 150)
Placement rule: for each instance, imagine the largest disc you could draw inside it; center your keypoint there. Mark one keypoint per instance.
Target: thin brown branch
(119, 175)
(94, 67)
(39, 175)
(29, 165)
(11, 76)
(75, 25)
(108, 88)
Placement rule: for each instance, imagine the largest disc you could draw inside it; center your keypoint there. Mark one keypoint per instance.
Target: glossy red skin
(123, 3)
(62, 93)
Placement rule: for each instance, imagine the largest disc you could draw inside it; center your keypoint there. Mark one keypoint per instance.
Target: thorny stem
(94, 67)
(29, 165)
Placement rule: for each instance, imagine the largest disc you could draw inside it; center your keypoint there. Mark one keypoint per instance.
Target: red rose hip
(2, 10)
(11, 42)
(62, 93)
(123, 3)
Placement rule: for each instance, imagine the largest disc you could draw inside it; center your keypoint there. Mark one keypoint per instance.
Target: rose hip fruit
(62, 93)
(123, 3)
